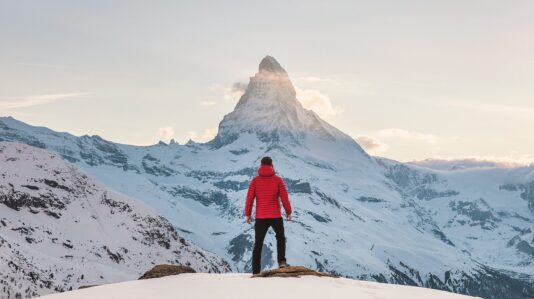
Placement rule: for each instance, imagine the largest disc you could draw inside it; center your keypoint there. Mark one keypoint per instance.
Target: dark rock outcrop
(87, 286)
(291, 271)
(166, 270)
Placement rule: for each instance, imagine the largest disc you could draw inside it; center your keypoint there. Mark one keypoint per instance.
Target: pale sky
(408, 79)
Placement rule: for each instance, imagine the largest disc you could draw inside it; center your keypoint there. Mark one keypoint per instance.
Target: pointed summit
(269, 111)
(269, 64)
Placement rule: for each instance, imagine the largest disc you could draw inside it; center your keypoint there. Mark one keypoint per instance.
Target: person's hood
(265, 170)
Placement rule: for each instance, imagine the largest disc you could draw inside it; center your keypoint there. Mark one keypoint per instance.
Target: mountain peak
(270, 110)
(269, 64)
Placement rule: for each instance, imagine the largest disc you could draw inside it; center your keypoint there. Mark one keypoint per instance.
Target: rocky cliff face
(466, 230)
(60, 229)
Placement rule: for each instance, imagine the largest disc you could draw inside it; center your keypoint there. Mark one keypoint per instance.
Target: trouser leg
(278, 226)
(260, 229)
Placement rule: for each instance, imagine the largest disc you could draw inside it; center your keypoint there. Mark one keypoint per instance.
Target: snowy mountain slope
(495, 214)
(59, 229)
(355, 215)
(270, 110)
(238, 286)
(488, 213)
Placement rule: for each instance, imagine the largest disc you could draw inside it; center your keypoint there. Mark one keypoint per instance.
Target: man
(267, 188)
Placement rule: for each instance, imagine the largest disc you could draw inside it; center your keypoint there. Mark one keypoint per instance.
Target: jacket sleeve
(251, 194)
(285, 197)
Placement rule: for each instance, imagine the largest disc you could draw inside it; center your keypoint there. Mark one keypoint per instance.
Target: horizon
(461, 94)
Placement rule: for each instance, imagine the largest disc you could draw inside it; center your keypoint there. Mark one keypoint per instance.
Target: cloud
(206, 135)
(405, 134)
(309, 98)
(208, 103)
(234, 92)
(371, 145)
(36, 100)
(167, 133)
(315, 100)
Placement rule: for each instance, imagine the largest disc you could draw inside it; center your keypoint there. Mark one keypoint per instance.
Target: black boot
(283, 264)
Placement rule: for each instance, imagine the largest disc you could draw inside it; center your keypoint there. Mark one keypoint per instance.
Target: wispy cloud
(234, 92)
(309, 98)
(206, 135)
(406, 134)
(371, 145)
(167, 133)
(319, 102)
(36, 100)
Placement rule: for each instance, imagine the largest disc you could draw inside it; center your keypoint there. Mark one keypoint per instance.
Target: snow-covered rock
(60, 229)
(238, 286)
(467, 231)
(270, 110)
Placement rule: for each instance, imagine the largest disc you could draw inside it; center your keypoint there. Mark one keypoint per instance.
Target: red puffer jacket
(267, 188)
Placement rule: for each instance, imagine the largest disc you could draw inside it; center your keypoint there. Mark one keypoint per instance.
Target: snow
(62, 229)
(356, 215)
(241, 286)
(269, 107)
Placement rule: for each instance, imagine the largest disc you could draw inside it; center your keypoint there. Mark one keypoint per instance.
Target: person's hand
(288, 217)
(248, 220)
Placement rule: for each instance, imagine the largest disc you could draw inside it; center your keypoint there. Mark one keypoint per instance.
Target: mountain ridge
(60, 229)
(355, 215)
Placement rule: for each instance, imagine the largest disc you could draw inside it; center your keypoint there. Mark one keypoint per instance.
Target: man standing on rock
(268, 188)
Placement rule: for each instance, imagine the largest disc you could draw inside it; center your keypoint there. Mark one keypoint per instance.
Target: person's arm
(251, 194)
(285, 198)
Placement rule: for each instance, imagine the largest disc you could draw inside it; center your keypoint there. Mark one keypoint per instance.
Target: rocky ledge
(166, 270)
(291, 271)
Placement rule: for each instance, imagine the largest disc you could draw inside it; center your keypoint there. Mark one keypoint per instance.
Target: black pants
(260, 227)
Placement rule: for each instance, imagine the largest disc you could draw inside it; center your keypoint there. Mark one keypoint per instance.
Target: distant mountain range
(460, 164)
(464, 230)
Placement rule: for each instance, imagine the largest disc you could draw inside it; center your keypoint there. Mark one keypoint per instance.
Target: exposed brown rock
(291, 271)
(166, 270)
(88, 286)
